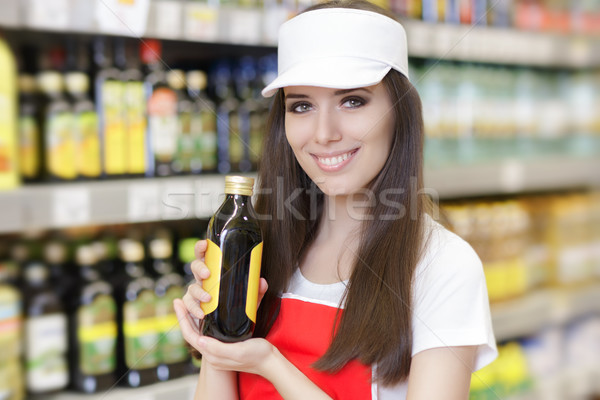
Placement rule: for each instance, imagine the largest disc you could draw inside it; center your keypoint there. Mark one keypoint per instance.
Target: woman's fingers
(262, 289)
(188, 326)
(192, 303)
(200, 270)
(200, 249)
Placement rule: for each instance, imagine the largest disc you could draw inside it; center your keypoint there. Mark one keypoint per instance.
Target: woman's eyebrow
(345, 91)
(295, 96)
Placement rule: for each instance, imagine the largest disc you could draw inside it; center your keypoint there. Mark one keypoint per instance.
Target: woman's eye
(299, 108)
(353, 102)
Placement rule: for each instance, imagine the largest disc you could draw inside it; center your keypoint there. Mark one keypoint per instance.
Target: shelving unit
(505, 46)
(49, 206)
(61, 205)
(529, 314)
(180, 389)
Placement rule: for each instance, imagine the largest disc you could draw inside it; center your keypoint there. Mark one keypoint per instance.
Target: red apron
(302, 333)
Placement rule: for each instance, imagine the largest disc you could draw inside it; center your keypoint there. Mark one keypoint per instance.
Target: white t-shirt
(450, 302)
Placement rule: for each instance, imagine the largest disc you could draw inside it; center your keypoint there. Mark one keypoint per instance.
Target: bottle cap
(241, 185)
(55, 252)
(150, 51)
(176, 79)
(196, 80)
(36, 272)
(160, 248)
(131, 251)
(50, 82)
(186, 249)
(77, 82)
(86, 255)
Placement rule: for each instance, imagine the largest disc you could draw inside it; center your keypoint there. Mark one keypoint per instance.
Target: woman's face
(341, 138)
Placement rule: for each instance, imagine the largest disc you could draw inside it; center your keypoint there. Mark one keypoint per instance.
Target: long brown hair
(375, 326)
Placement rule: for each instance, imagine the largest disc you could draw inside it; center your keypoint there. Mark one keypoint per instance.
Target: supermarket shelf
(512, 176)
(180, 22)
(501, 45)
(59, 205)
(180, 389)
(529, 314)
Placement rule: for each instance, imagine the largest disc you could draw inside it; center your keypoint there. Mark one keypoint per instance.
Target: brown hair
(375, 326)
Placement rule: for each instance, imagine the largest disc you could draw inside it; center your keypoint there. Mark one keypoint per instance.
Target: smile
(335, 162)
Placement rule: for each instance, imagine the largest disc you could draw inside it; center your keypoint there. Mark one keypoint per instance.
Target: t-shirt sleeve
(450, 300)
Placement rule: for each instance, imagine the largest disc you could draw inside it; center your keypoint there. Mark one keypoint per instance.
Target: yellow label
(140, 327)
(253, 280)
(212, 259)
(135, 100)
(29, 146)
(97, 332)
(88, 151)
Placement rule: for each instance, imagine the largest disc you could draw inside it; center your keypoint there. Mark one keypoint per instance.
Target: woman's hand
(188, 309)
(252, 356)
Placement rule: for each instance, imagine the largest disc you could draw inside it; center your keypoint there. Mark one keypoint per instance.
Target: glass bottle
(93, 327)
(59, 136)
(169, 285)
(233, 256)
(30, 141)
(138, 330)
(203, 124)
(87, 135)
(46, 334)
(162, 110)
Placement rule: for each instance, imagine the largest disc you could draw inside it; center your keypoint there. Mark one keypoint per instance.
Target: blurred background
(119, 119)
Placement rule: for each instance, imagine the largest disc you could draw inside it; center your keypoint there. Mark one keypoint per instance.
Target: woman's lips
(335, 162)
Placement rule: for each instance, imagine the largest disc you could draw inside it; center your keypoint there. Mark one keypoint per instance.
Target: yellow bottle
(9, 168)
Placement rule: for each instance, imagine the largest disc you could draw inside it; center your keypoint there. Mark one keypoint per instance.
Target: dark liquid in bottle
(235, 230)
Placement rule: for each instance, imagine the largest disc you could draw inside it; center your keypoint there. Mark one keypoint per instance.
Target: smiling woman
(341, 138)
(374, 301)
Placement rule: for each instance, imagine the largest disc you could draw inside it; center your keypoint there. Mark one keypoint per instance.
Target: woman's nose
(326, 129)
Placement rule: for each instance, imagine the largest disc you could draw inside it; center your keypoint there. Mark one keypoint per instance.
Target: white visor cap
(340, 48)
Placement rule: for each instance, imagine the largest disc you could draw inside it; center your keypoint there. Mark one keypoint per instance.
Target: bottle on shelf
(11, 320)
(233, 256)
(253, 112)
(136, 309)
(169, 285)
(108, 89)
(59, 133)
(9, 167)
(181, 163)
(30, 140)
(135, 110)
(93, 327)
(203, 124)
(162, 110)
(56, 257)
(46, 334)
(230, 144)
(88, 157)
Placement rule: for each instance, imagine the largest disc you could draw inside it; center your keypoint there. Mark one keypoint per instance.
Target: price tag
(143, 202)
(167, 19)
(177, 200)
(201, 22)
(70, 207)
(48, 14)
(122, 17)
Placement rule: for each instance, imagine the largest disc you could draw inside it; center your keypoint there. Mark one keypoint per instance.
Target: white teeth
(334, 160)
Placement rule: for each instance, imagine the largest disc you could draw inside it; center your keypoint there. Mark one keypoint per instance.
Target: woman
(368, 297)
